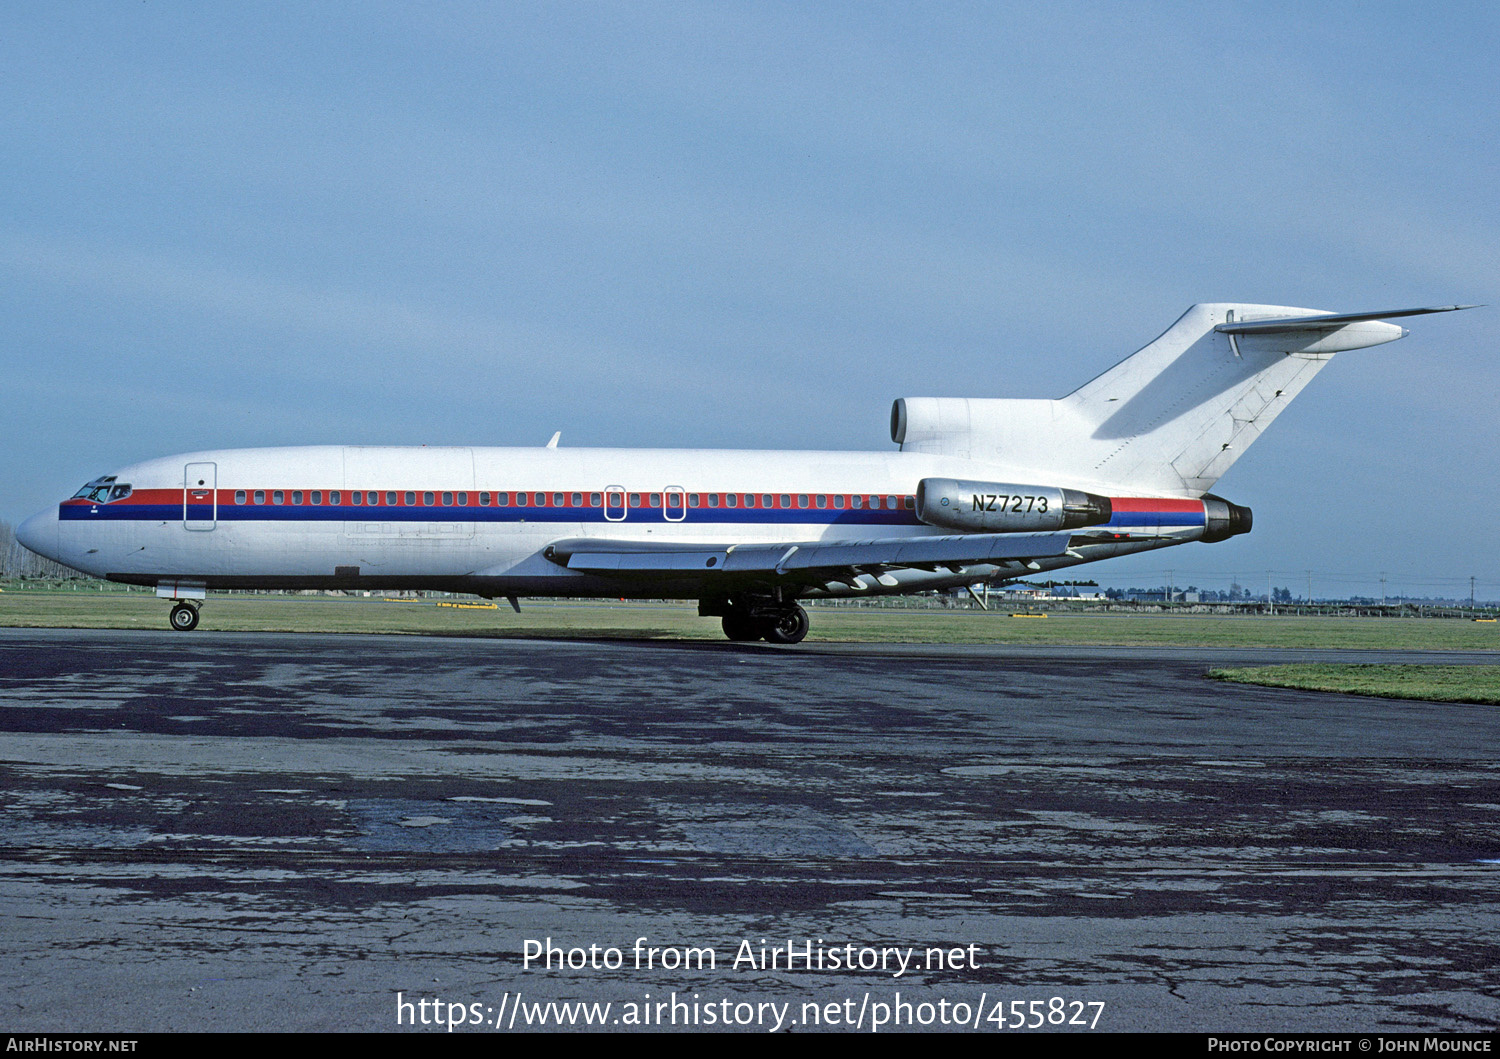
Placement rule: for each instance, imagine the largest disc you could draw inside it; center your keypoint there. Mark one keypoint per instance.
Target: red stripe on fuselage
(532, 498)
(1159, 505)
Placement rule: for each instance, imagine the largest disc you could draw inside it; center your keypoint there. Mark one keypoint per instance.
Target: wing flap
(600, 561)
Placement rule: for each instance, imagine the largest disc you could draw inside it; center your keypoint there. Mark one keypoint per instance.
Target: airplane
(977, 490)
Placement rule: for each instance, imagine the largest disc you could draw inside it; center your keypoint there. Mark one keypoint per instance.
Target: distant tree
(16, 560)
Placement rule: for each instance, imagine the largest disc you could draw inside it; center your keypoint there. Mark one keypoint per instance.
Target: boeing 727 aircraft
(978, 490)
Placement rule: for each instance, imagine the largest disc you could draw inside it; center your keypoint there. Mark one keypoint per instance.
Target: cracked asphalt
(252, 832)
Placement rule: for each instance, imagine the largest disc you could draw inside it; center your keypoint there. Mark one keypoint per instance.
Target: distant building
(1058, 593)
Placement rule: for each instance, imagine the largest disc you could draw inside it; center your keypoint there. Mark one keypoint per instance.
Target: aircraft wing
(822, 559)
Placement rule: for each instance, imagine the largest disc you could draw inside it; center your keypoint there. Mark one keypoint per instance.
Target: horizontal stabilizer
(1321, 321)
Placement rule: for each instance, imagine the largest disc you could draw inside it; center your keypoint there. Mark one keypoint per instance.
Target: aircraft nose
(39, 534)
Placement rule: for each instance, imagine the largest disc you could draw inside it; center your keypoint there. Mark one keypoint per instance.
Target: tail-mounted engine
(1002, 507)
(1223, 520)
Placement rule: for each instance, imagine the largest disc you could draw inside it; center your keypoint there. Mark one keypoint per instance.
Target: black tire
(741, 627)
(788, 627)
(184, 617)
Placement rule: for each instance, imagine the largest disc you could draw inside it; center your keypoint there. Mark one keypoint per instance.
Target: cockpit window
(103, 490)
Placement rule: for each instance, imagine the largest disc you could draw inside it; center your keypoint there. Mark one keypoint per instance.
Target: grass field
(569, 619)
(64, 608)
(1431, 683)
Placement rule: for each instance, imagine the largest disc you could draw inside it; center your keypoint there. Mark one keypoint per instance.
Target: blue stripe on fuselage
(1157, 518)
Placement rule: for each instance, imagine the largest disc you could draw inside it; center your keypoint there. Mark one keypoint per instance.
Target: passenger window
(502, 500)
(732, 500)
(594, 499)
(786, 500)
(427, 499)
(334, 497)
(296, 496)
(713, 499)
(838, 501)
(390, 498)
(822, 500)
(766, 501)
(635, 499)
(801, 499)
(910, 503)
(463, 499)
(239, 496)
(260, 496)
(577, 499)
(890, 503)
(693, 500)
(278, 497)
(557, 500)
(654, 500)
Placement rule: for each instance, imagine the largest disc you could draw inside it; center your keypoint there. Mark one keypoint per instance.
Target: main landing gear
(781, 623)
(184, 617)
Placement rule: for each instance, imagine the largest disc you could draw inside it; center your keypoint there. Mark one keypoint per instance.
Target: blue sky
(753, 225)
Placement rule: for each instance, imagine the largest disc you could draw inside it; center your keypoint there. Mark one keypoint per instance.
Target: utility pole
(1382, 588)
(1270, 597)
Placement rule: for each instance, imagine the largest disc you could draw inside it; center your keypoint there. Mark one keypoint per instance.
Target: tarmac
(217, 831)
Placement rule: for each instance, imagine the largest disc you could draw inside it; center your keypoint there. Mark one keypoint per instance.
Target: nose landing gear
(187, 597)
(184, 617)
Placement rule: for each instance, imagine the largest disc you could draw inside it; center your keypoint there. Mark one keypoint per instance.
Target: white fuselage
(480, 519)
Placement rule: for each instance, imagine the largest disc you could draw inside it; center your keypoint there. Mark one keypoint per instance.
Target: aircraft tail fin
(1171, 418)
